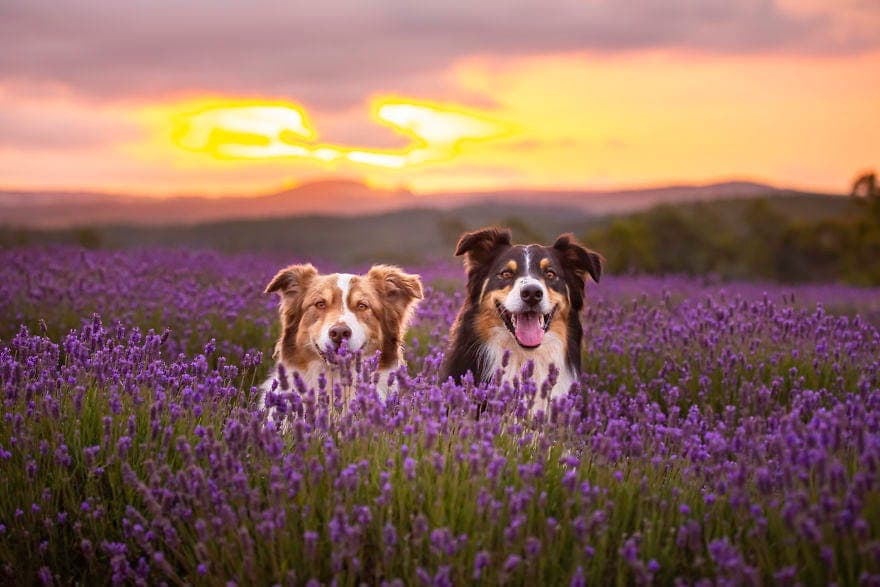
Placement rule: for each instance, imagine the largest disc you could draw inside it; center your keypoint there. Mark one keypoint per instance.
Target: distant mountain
(59, 209)
(331, 197)
(597, 202)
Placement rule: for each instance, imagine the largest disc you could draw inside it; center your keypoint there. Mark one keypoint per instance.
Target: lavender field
(722, 433)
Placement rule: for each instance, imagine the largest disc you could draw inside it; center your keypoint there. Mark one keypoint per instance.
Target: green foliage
(788, 237)
(406, 237)
(759, 238)
(88, 238)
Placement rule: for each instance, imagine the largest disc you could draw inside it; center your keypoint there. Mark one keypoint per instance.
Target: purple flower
(630, 550)
(409, 468)
(311, 540)
(578, 580)
(481, 561)
(511, 563)
(695, 398)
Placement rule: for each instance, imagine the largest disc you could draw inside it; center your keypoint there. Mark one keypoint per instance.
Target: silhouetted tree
(865, 186)
(866, 190)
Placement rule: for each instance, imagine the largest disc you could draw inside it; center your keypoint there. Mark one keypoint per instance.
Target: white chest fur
(311, 377)
(551, 352)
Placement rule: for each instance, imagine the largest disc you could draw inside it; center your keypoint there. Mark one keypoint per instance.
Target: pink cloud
(333, 54)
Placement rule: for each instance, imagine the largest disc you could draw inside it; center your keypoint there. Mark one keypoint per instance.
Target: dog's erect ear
(577, 258)
(292, 280)
(393, 283)
(480, 246)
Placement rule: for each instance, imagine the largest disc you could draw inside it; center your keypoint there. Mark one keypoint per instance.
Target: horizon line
(403, 188)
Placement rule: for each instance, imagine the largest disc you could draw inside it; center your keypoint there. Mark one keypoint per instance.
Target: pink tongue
(528, 329)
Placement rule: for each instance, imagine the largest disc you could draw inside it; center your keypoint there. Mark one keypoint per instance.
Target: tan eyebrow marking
(325, 290)
(544, 263)
(511, 265)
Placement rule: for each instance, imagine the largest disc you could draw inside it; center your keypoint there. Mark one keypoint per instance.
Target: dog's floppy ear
(480, 246)
(292, 280)
(578, 259)
(393, 283)
(290, 283)
(400, 292)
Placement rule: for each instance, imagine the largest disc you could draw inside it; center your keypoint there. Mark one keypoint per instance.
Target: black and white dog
(521, 299)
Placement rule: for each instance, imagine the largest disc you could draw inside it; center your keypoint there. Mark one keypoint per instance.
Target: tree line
(748, 239)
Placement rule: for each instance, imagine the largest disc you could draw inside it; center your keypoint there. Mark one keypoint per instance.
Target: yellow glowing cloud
(248, 130)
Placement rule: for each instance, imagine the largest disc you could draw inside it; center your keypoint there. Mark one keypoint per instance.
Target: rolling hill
(406, 236)
(49, 210)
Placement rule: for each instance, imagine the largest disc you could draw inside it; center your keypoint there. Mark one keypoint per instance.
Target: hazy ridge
(416, 235)
(46, 209)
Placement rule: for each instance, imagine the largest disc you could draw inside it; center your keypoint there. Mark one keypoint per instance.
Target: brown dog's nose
(339, 332)
(531, 294)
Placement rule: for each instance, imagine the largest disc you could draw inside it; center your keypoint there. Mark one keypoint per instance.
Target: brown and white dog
(318, 312)
(524, 300)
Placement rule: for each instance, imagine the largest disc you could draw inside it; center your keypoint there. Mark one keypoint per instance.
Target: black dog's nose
(531, 294)
(339, 332)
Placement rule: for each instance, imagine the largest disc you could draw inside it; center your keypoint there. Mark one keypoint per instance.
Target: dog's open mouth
(527, 328)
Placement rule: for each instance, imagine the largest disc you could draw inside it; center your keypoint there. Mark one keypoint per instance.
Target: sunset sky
(220, 97)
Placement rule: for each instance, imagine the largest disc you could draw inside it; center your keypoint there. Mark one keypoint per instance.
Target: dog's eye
(320, 304)
(506, 274)
(362, 306)
(550, 274)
